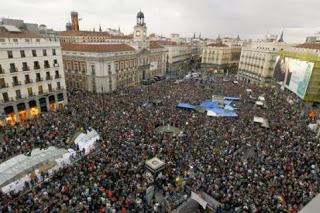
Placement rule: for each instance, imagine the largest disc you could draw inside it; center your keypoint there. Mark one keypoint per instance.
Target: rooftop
(217, 45)
(91, 33)
(314, 46)
(98, 48)
(6, 33)
(155, 45)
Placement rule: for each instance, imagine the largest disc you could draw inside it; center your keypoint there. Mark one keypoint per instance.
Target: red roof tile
(315, 46)
(91, 33)
(155, 45)
(99, 48)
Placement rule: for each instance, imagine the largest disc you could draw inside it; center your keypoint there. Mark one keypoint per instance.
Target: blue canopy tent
(232, 98)
(185, 106)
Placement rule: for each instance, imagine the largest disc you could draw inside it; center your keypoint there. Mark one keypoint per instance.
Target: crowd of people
(245, 167)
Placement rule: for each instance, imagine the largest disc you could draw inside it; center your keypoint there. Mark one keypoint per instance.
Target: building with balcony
(31, 78)
(258, 60)
(219, 57)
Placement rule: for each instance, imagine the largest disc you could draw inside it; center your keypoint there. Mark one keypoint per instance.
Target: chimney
(74, 21)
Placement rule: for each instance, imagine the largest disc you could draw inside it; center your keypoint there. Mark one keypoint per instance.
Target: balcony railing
(37, 67)
(25, 68)
(39, 79)
(4, 86)
(48, 78)
(56, 65)
(6, 100)
(57, 76)
(2, 71)
(46, 66)
(18, 97)
(40, 92)
(13, 69)
(29, 81)
(16, 83)
(31, 94)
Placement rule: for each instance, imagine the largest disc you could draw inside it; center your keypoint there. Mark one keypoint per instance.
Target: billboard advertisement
(294, 74)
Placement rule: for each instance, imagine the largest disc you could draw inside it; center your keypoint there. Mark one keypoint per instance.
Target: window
(44, 52)
(48, 77)
(22, 53)
(27, 79)
(40, 89)
(15, 40)
(54, 52)
(37, 40)
(27, 40)
(109, 69)
(34, 53)
(46, 64)
(57, 74)
(117, 66)
(55, 63)
(13, 68)
(36, 65)
(10, 55)
(5, 97)
(25, 66)
(38, 77)
(2, 83)
(58, 85)
(18, 94)
(93, 69)
(30, 93)
(50, 87)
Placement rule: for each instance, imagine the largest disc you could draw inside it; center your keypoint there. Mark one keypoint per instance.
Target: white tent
(22, 165)
(313, 206)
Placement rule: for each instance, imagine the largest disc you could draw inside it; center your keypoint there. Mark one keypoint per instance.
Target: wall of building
(21, 81)
(258, 60)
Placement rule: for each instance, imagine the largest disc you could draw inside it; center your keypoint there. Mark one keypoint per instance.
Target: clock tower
(140, 30)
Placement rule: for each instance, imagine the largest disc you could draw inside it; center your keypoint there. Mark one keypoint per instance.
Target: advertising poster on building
(294, 74)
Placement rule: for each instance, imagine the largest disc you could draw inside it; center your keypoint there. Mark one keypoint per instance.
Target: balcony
(56, 65)
(13, 69)
(46, 66)
(37, 67)
(28, 81)
(16, 83)
(6, 100)
(57, 76)
(39, 79)
(40, 92)
(2, 86)
(25, 68)
(18, 97)
(31, 94)
(2, 72)
(48, 77)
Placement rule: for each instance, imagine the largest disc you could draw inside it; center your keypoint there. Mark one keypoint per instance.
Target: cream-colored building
(258, 60)
(220, 57)
(179, 57)
(31, 78)
(104, 67)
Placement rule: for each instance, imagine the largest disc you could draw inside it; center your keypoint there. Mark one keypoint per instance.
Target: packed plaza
(106, 122)
(282, 174)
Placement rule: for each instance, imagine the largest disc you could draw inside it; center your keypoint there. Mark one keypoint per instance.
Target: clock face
(138, 33)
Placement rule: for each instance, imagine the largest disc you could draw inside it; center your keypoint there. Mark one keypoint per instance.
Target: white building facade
(258, 61)
(31, 78)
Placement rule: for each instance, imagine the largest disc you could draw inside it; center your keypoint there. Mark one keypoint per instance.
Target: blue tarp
(185, 106)
(232, 98)
(227, 102)
(207, 104)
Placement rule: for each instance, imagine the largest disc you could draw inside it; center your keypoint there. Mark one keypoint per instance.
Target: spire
(119, 29)
(219, 40)
(100, 30)
(194, 35)
(93, 29)
(238, 38)
(281, 38)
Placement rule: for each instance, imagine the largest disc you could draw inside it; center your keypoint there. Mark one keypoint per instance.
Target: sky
(247, 18)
